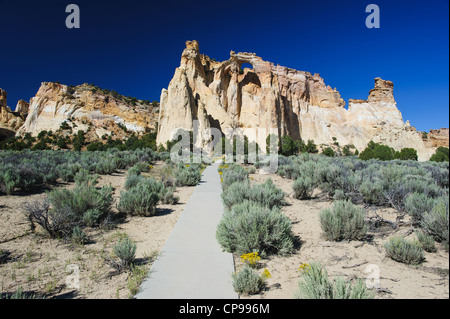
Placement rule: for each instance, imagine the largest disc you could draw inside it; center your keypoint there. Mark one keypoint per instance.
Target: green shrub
(64, 126)
(384, 152)
(288, 146)
(286, 171)
(82, 199)
(79, 237)
(85, 179)
(346, 150)
(407, 154)
(25, 170)
(339, 195)
(333, 177)
(343, 221)
(106, 166)
(266, 194)
(234, 194)
(23, 178)
(93, 217)
(426, 241)
(417, 204)
(125, 250)
(167, 177)
(134, 171)
(50, 177)
(435, 223)
(307, 168)
(328, 152)
(67, 172)
(378, 151)
(251, 227)
(8, 182)
(404, 251)
(315, 284)
(232, 174)
(168, 197)
(310, 147)
(132, 180)
(366, 154)
(142, 166)
(57, 222)
(251, 169)
(141, 200)
(303, 188)
(441, 155)
(443, 150)
(20, 294)
(187, 176)
(247, 281)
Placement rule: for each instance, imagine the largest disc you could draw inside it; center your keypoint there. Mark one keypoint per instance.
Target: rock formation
(88, 108)
(22, 107)
(3, 99)
(437, 138)
(10, 121)
(268, 96)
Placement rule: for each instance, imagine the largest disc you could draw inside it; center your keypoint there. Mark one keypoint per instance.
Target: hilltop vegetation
(66, 139)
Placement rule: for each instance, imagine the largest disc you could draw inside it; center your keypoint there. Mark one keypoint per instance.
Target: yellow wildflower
(251, 258)
(187, 165)
(304, 267)
(266, 273)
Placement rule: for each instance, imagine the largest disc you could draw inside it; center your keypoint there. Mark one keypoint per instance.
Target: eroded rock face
(273, 97)
(10, 121)
(86, 108)
(3, 99)
(22, 107)
(219, 95)
(437, 138)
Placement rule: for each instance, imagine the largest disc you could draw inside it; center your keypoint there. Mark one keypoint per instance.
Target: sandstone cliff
(22, 107)
(437, 138)
(88, 108)
(268, 96)
(11, 121)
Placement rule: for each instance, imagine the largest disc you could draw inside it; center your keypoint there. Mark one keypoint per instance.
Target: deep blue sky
(134, 46)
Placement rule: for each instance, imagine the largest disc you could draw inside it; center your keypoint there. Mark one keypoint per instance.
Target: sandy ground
(47, 266)
(348, 259)
(42, 265)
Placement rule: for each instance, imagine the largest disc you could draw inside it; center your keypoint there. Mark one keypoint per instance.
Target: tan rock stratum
(11, 121)
(86, 108)
(437, 138)
(272, 97)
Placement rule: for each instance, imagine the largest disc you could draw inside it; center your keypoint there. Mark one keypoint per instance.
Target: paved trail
(192, 264)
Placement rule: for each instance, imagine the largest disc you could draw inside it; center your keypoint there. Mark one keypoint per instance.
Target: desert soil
(42, 265)
(352, 259)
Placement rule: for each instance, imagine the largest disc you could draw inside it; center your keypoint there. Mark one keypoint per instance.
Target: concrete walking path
(192, 264)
